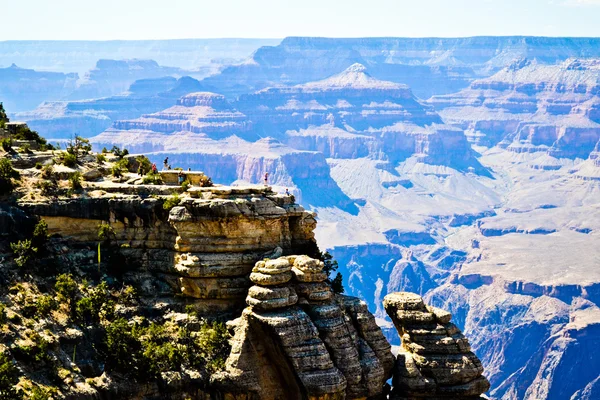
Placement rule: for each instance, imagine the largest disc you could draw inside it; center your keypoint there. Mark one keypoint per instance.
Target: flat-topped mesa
(297, 341)
(435, 360)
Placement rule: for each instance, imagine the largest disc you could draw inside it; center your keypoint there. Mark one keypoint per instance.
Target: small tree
(144, 164)
(332, 266)
(79, 146)
(75, 181)
(118, 152)
(40, 234)
(24, 250)
(7, 174)
(3, 117)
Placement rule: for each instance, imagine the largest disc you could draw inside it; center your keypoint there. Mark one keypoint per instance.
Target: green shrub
(212, 345)
(39, 393)
(47, 188)
(100, 158)
(185, 185)
(38, 165)
(116, 171)
(105, 231)
(69, 160)
(191, 311)
(48, 172)
(123, 350)
(90, 307)
(171, 202)
(66, 288)
(45, 304)
(25, 149)
(75, 181)
(6, 144)
(24, 250)
(152, 179)
(9, 377)
(37, 353)
(7, 175)
(128, 296)
(40, 234)
(144, 163)
(2, 313)
(330, 267)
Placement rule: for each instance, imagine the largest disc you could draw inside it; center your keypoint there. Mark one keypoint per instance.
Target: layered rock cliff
(191, 258)
(203, 249)
(531, 107)
(64, 119)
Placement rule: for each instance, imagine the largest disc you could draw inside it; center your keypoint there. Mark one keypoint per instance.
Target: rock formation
(296, 340)
(203, 249)
(429, 65)
(435, 360)
(63, 119)
(531, 107)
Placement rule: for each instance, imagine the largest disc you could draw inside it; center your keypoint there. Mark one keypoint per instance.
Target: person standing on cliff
(166, 163)
(266, 179)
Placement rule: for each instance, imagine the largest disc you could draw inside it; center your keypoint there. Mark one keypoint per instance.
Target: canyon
(463, 170)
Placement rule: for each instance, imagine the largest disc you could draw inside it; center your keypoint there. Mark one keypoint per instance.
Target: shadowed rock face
(435, 360)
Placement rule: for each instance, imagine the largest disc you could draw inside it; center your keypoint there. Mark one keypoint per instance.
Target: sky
(178, 19)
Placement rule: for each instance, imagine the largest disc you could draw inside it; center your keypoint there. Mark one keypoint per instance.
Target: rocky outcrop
(203, 249)
(435, 360)
(296, 340)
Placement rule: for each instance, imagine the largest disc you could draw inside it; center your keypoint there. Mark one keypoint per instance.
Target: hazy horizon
(183, 19)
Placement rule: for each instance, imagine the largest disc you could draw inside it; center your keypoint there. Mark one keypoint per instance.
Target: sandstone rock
(262, 298)
(92, 175)
(325, 349)
(435, 360)
(204, 249)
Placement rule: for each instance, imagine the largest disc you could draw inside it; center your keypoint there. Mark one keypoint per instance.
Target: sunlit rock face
(435, 360)
(531, 107)
(297, 340)
(202, 250)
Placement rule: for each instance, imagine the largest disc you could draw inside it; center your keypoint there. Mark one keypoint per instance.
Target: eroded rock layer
(203, 249)
(297, 340)
(435, 360)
